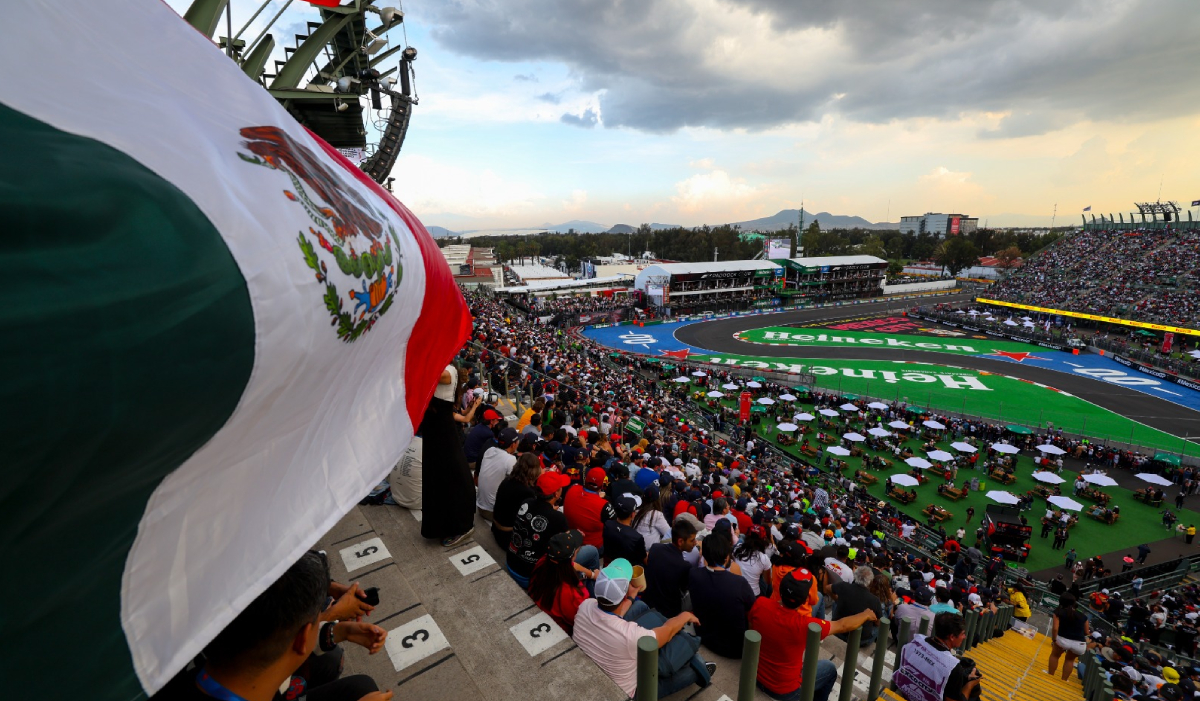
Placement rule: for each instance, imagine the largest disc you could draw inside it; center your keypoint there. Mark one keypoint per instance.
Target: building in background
(829, 278)
(460, 258)
(710, 284)
(938, 224)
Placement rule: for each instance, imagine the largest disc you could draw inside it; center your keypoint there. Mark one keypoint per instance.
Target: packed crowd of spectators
(1151, 275)
(687, 529)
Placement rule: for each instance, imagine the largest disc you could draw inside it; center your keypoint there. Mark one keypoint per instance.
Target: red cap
(597, 476)
(551, 482)
(491, 414)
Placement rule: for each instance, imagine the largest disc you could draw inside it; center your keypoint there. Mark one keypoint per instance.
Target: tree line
(955, 253)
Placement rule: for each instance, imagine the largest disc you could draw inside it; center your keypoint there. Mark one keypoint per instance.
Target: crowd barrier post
(970, 620)
(1091, 675)
(812, 655)
(850, 664)
(905, 633)
(881, 646)
(1106, 692)
(751, 644)
(923, 628)
(647, 669)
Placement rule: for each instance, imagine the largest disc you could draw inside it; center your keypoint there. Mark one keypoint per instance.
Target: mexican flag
(218, 335)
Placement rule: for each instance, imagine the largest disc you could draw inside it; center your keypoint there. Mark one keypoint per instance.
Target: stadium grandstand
(1147, 275)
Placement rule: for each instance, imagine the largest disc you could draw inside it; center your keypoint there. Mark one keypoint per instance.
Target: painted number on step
(471, 561)
(538, 633)
(365, 553)
(414, 641)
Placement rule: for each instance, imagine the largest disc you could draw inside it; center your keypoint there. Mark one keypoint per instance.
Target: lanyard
(214, 689)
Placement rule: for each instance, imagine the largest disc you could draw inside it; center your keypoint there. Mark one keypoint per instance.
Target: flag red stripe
(324, 3)
(445, 322)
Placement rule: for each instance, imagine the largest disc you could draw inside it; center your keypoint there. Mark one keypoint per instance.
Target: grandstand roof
(719, 266)
(537, 272)
(542, 285)
(837, 260)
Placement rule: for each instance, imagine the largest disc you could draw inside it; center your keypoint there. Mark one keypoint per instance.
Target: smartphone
(371, 596)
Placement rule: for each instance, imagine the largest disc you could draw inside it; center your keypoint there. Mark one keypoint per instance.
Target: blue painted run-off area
(652, 340)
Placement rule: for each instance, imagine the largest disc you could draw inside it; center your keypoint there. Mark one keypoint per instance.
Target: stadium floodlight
(344, 84)
(388, 15)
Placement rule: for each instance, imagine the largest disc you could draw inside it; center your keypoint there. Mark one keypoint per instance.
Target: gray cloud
(522, 78)
(587, 120)
(1050, 62)
(552, 98)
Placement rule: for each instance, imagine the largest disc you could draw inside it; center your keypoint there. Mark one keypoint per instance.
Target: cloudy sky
(707, 111)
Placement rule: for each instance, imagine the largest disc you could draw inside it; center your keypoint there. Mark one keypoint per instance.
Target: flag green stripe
(129, 337)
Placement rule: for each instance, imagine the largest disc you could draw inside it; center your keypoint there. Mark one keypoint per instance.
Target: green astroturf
(1139, 523)
(995, 397)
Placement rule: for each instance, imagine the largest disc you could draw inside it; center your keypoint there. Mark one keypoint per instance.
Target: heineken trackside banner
(945, 342)
(218, 335)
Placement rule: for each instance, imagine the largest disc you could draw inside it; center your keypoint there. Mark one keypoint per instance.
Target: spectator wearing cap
(790, 555)
(480, 437)
(536, 523)
(914, 608)
(783, 624)
(621, 539)
(608, 638)
(720, 599)
(513, 491)
(649, 520)
(586, 508)
(619, 482)
(852, 598)
(558, 582)
(667, 570)
(496, 464)
(739, 512)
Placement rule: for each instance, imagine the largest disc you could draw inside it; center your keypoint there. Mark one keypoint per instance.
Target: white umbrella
(919, 462)
(1194, 353)
(899, 425)
(837, 450)
(1005, 448)
(1153, 479)
(880, 432)
(1051, 449)
(959, 311)
(787, 428)
(940, 455)
(788, 397)
(1065, 503)
(729, 385)
(699, 373)
(1026, 318)
(1100, 480)
(1002, 497)
(973, 313)
(934, 424)
(1048, 477)
(1028, 323)
(855, 437)
(715, 394)
(767, 401)
(905, 480)
(1010, 322)
(963, 447)
(682, 379)
(828, 412)
(753, 384)
(877, 405)
(804, 417)
(848, 407)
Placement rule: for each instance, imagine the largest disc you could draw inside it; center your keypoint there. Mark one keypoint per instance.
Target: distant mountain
(792, 216)
(439, 232)
(622, 229)
(580, 227)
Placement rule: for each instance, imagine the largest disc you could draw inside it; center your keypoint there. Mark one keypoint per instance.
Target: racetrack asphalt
(718, 336)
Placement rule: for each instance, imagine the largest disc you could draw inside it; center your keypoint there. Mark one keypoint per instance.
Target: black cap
(922, 594)
(794, 588)
(793, 552)
(507, 437)
(552, 449)
(625, 505)
(563, 546)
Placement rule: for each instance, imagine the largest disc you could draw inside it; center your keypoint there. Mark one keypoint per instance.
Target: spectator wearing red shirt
(586, 508)
(739, 512)
(556, 587)
(784, 629)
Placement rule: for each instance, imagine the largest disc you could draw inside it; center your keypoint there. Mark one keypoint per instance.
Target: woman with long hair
(881, 587)
(513, 491)
(1069, 634)
(555, 585)
(649, 519)
(753, 555)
